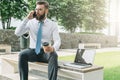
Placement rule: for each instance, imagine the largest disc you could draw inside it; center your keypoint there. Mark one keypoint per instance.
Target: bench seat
(95, 45)
(10, 62)
(6, 47)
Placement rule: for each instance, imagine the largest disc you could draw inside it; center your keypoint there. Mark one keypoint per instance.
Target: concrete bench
(10, 62)
(95, 45)
(6, 47)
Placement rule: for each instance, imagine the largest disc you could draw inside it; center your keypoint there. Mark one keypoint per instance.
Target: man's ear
(46, 11)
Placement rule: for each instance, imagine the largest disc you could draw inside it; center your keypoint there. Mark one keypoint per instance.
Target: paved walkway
(66, 52)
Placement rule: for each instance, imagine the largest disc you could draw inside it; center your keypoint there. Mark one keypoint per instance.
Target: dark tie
(39, 36)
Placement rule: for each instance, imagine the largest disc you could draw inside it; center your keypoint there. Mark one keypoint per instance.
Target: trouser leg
(29, 55)
(52, 60)
(25, 56)
(52, 66)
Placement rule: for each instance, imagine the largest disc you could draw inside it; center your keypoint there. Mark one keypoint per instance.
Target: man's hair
(43, 2)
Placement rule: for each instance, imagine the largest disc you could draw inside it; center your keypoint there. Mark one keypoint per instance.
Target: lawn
(110, 61)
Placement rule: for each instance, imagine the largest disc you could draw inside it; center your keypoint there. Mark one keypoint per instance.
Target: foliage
(31, 4)
(12, 28)
(88, 15)
(70, 17)
(12, 8)
(95, 17)
(85, 14)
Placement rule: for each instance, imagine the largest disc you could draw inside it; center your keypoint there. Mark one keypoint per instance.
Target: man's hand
(48, 49)
(30, 15)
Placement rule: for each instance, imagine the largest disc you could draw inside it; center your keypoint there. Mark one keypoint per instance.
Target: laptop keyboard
(77, 65)
(81, 64)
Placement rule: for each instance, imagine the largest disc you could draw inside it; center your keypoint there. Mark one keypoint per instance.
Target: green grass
(109, 60)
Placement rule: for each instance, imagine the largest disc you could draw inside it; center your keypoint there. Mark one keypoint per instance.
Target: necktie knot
(41, 21)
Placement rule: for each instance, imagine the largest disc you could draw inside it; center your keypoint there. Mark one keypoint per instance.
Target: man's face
(41, 11)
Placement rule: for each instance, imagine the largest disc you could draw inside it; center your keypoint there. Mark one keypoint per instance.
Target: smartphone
(34, 15)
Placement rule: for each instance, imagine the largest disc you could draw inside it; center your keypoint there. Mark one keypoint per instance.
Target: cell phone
(34, 15)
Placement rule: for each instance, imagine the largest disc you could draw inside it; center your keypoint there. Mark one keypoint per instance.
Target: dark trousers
(29, 55)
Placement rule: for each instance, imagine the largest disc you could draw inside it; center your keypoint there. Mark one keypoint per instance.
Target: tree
(95, 18)
(70, 17)
(31, 4)
(12, 8)
(85, 14)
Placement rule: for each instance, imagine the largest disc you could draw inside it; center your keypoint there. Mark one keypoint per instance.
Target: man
(41, 29)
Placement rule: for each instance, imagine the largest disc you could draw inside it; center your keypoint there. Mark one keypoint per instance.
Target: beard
(40, 18)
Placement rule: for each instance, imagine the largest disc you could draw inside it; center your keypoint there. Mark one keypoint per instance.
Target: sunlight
(114, 17)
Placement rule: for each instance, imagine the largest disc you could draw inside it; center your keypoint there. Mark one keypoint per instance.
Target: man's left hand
(48, 49)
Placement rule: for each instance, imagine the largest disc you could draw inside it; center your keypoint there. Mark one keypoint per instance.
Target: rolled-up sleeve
(56, 38)
(23, 28)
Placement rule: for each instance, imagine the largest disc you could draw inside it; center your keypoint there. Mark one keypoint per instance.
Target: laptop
(84, 58)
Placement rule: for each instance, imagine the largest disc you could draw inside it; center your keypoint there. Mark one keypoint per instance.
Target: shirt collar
(46, 19)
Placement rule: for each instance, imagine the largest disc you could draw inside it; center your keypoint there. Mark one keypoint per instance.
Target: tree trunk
(3, 23)
(81, 27)
(8, 23)
(72, 30)
(2, 20)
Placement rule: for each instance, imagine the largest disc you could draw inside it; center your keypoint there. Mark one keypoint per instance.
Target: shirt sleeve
(56, 38)
(23, 28)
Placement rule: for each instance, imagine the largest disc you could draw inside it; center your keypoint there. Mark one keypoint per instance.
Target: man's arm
(56, 38)
(23, 28)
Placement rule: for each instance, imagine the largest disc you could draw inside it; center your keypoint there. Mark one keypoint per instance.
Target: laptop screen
(85, 56)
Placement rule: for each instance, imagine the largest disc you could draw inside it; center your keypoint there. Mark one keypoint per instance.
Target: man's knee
(53, 57)
(23, 54)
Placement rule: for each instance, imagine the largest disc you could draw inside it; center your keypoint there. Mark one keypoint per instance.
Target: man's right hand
(30, 15)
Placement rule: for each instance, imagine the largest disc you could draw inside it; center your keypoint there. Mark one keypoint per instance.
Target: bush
(12, 27)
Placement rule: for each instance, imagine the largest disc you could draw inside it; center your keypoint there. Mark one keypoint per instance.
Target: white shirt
(49, 32)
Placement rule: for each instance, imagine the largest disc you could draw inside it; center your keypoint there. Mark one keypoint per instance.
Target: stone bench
(95, 45)
(10, 63)
(6, 47)
(4, 78)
